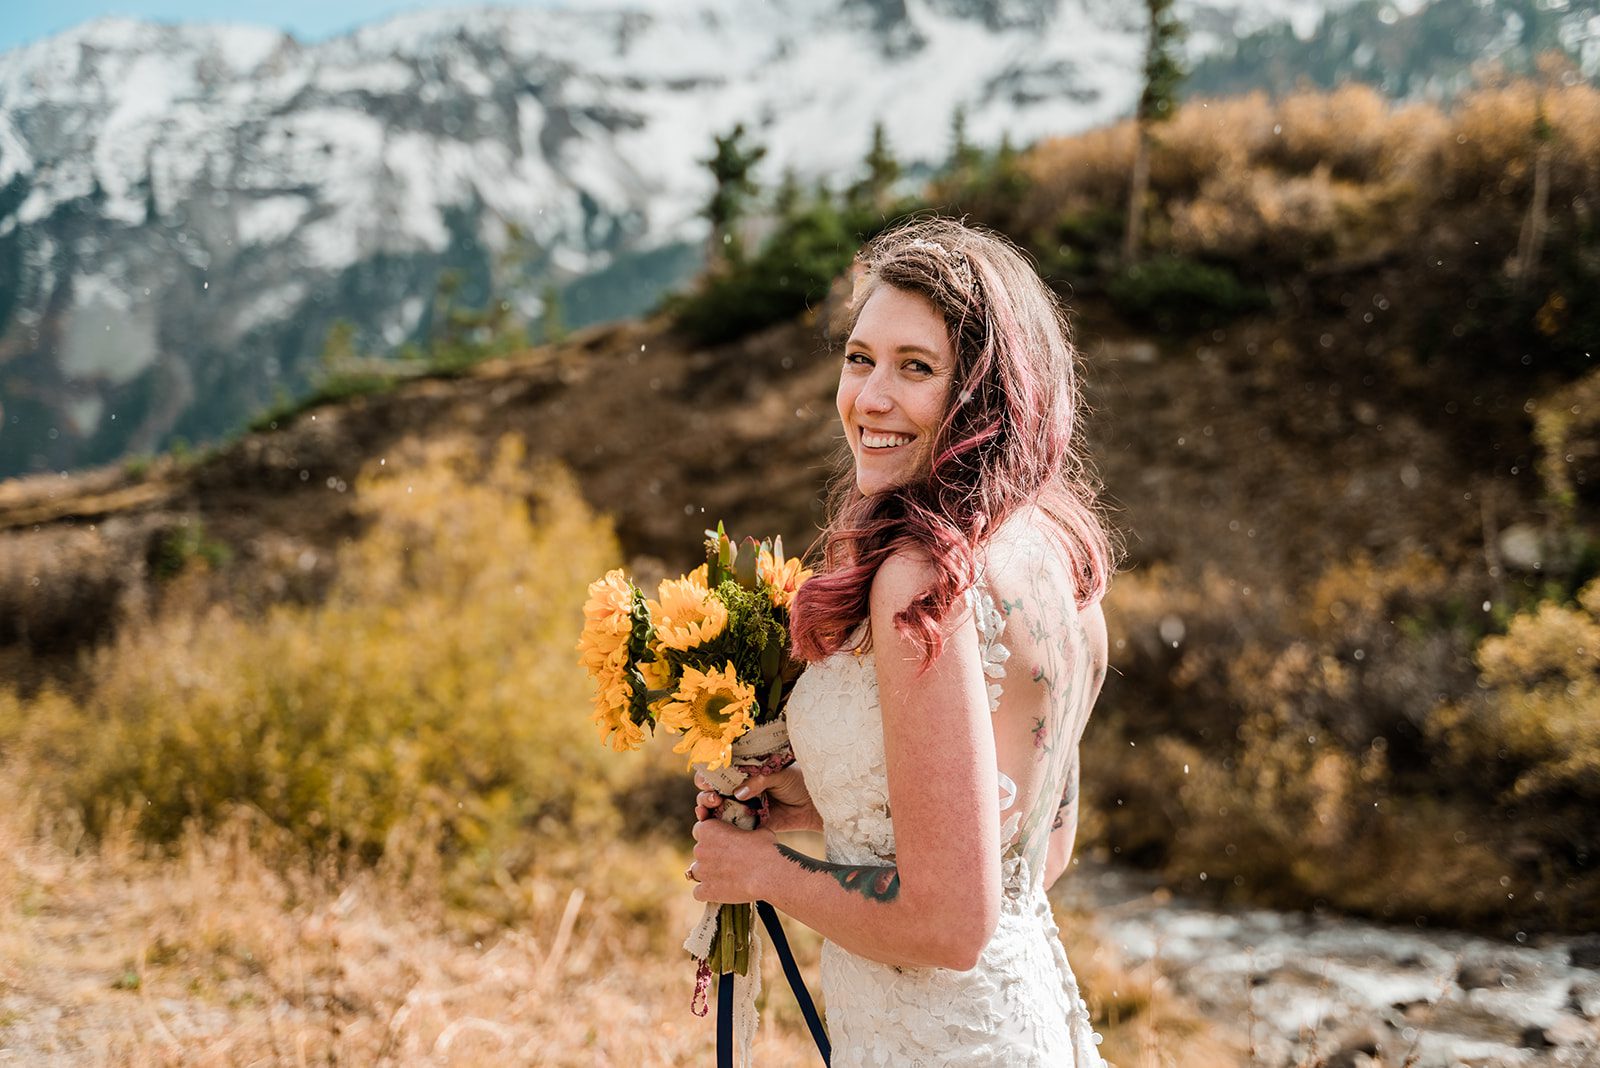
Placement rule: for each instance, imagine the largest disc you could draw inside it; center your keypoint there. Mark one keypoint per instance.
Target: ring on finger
(688, 873)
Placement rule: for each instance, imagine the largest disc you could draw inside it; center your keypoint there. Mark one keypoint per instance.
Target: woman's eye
(857, 358)
(919, 368)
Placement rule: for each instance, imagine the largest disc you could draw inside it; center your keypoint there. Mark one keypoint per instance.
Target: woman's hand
(789, 806)
(729, 863)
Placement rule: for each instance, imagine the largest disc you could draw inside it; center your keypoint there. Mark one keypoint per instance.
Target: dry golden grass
(235, 950)
(379, 829)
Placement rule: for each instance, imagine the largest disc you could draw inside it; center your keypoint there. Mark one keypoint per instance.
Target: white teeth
(874, 440)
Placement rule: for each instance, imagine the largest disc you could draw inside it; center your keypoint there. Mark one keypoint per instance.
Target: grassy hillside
(374, 824)
(1346, 426)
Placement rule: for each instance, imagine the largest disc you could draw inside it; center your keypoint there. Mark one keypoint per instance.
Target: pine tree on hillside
(339, 347)
(964, 155)
(1162, 74)
(786, 199)
(874, 192)
(731, 165)
(1006, 176)
(552, 324)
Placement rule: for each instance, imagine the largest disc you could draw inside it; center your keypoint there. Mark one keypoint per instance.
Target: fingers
(707, 804)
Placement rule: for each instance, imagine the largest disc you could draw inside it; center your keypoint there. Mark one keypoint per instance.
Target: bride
(955, 646)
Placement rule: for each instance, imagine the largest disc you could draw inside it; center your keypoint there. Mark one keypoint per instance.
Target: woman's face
(894, 387)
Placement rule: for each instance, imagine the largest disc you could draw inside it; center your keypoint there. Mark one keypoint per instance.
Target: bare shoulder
(899, 579)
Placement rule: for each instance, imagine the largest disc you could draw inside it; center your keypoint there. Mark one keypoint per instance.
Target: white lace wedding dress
(1020, 1006)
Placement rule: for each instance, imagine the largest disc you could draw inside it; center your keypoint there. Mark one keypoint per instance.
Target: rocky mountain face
(186, 210)
(1434, 50)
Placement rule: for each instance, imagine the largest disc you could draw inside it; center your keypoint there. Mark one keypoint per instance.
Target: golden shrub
(1412, 142)
(1573, 112)
(436, 682)
(1535, 718)
(1070, 175)
(1492, 149)
(1207, 138)
(1242, 214)
(1350, 598)
(1566, 426)
(1342, 131)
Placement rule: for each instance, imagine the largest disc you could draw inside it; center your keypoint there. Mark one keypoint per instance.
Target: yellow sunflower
(611, 685)
(784, 576)
(616, 729)
(657, 676)
(711, 708)
(607, 622)
(687, 613)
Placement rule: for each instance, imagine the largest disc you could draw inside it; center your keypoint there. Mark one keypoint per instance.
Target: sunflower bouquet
(708, 659)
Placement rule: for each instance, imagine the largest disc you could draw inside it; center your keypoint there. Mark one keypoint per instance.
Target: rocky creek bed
(1325, 990)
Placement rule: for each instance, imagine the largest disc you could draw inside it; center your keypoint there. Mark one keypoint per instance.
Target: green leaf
(745, 564)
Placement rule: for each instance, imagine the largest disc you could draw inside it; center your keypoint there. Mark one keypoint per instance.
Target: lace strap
(991, 626)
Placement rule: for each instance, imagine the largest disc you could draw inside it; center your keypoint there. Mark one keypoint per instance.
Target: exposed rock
(1480, 975)
(1585, 952)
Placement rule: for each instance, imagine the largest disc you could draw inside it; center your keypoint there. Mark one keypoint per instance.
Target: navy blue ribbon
(791, 972)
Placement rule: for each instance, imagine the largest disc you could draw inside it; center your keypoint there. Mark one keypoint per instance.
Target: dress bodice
(1020, 1005)
(836, 727)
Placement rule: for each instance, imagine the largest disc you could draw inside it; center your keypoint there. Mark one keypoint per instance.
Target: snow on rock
(259, 188)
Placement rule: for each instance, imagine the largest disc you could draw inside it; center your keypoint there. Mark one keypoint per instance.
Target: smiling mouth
(872, 439)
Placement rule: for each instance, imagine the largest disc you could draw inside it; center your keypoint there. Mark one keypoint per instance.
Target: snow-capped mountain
(185, 210)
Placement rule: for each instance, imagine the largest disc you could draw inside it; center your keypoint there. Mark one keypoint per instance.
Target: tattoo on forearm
(875, 882)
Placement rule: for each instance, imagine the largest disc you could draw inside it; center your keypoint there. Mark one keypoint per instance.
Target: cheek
(931, 407)
(845, 398)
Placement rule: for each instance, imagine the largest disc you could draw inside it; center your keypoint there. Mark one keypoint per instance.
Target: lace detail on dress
(1020, 1005)
(991, 625)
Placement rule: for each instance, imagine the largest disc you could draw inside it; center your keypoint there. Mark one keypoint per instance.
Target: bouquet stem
(730, 950)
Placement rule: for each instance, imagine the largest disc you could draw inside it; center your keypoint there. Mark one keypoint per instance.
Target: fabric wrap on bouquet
(763, 748)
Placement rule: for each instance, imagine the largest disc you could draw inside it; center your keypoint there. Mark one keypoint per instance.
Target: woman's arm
(939, 902)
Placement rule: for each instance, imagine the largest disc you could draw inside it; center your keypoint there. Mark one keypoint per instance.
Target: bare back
(1056, 663)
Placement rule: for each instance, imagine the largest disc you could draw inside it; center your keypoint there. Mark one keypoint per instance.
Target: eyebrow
(857, 343)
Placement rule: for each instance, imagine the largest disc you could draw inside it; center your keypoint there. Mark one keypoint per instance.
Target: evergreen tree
(964, 155)
(1162, 74)
(786, 201)
(1007, 178)
(873, 192)
(339, 353)
(731, 164)
(552, 325)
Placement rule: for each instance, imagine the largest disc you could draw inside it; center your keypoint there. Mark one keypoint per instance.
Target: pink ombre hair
(1009, 439)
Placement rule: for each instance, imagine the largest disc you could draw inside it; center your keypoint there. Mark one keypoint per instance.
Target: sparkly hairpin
(956, 259)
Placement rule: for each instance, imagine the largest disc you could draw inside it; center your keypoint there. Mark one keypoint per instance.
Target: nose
(874, 396)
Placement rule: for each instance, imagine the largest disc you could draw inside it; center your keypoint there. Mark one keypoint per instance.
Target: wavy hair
(1010, 438)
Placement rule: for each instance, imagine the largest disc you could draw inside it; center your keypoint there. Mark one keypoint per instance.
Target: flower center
(708, 711)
